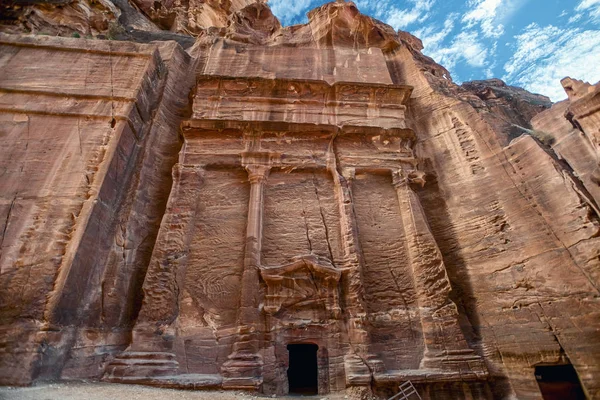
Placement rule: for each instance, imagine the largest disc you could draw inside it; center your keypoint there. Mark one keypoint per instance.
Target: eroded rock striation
(308, 209)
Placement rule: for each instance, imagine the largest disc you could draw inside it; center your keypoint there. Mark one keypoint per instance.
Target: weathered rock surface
(112, 18)
(58, 17)
(570, 145)
(584, 114)
(178, 218)
(190, 16)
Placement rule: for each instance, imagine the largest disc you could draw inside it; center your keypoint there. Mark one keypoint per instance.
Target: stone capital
(257, 173)
(401, 178)
(349, 173)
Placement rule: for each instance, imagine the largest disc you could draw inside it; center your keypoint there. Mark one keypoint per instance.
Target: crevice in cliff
(323, 219)
(403, 298)
(7, 221)
(313, 280)
(79, 136)
(306, 228)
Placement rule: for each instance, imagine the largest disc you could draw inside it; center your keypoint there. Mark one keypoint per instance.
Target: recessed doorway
(559, 382)
(303, 374)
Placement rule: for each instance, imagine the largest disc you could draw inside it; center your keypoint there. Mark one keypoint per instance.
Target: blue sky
(527, 43)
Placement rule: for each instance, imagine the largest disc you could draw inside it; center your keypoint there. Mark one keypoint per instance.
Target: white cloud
(592, 7)
(465, 47)
(287, 11)
(491, 15)
(545, 55)
(433, 39)
(397, 17)
(484, 13)
(575, 18)
(401, 18)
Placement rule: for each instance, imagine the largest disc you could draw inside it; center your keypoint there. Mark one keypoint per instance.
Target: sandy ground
(107, 391)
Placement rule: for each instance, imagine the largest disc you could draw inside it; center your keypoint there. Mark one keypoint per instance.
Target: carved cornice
(289, 102)
(194, 128)
(306, 90)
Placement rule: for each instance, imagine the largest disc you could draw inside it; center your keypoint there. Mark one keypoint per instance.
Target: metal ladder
(406, 391)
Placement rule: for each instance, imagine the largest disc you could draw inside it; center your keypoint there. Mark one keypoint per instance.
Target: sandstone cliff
(182, 217)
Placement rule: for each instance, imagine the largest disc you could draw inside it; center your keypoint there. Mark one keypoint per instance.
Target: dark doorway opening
(559, 382)
(303, 371)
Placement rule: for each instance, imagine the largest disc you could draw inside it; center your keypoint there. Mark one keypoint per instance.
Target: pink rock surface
(178, 218)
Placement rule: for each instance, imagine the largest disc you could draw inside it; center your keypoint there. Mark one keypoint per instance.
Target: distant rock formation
(212, 200)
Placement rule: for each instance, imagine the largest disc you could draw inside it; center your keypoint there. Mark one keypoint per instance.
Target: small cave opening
(303, 371)
(559, 382)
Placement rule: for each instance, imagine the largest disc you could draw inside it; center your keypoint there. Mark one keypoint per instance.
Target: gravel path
(107, 391)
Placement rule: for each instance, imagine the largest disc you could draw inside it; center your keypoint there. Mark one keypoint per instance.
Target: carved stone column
(444, 342)
(244, 368)
(355, 363)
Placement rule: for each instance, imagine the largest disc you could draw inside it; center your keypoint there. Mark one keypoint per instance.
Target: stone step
(186, 381)
(141, 364)
(133, 361)
(119, 371)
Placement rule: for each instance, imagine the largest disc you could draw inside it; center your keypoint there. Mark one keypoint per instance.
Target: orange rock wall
(513, 260)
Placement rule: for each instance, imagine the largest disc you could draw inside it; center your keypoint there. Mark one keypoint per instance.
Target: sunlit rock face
(318, 198)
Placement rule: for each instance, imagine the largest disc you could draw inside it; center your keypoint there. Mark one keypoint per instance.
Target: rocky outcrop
(193, 16)
(112, 18)
(570, 145)
(584, 114)
(501, 235)
(59, 17)
(509, 108)
(319, 197)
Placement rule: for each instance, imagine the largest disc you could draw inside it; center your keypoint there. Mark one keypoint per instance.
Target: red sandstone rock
(60, 17)
(584, 114)
(334, 188)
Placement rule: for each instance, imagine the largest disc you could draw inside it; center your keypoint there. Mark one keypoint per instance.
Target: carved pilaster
(244, 368)
(444, 342)
(169, 260)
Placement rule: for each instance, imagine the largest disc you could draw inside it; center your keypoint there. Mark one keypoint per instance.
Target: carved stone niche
(308, 281)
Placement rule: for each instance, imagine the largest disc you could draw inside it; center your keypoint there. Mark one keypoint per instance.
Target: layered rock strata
(181, 218)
